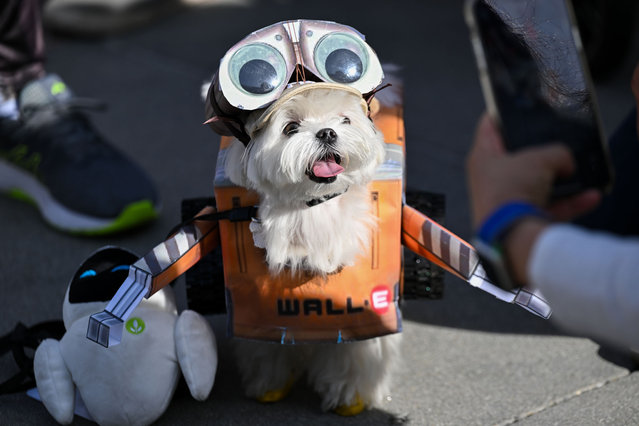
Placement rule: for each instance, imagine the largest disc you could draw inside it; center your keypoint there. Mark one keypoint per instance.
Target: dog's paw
(352, 409)
(276, 395)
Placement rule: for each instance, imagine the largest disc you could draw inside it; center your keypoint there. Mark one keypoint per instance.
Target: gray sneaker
(52, 156)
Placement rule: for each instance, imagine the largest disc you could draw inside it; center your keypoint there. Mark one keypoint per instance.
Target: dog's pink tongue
(327, 168)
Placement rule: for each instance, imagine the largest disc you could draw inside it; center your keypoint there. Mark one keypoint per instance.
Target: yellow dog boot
(276, 395)
(353, 409)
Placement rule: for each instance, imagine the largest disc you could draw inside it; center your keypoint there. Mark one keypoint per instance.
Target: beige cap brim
(296, 90)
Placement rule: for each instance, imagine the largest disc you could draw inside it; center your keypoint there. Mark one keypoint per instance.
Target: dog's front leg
(268, 370)
(354, 376)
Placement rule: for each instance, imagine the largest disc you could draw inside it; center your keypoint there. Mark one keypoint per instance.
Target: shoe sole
(20, 185)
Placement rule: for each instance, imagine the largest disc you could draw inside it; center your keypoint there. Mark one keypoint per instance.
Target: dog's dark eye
(291, 128)
(346, 120)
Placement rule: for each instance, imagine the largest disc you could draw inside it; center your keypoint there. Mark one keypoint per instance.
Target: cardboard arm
(437, 244)
(149, 274)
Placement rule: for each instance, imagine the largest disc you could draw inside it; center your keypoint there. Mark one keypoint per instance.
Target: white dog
(318, 148)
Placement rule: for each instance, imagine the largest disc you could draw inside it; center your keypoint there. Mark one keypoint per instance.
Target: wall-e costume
(358, 302)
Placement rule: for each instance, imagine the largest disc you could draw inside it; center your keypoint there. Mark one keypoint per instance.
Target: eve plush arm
(430, 240)
(196, 352)
(152, 272)
(54, 381)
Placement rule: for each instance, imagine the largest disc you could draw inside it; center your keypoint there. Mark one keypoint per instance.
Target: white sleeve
(591, 281)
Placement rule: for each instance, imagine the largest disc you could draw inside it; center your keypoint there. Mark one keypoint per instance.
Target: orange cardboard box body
(359, 302)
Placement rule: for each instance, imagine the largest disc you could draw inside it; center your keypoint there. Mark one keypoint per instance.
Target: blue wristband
(504, 218)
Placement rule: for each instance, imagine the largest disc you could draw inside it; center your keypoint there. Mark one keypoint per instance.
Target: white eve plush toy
(132, 383)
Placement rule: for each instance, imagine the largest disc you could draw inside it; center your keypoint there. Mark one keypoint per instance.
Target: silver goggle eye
(341, 58)
(257, 69)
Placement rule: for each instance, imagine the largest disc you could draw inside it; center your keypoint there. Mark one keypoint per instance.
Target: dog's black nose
(327, 136)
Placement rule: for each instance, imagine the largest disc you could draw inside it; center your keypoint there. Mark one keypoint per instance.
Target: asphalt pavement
(467, 358)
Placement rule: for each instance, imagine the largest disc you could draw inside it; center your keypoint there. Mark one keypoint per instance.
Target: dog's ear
(234, 164)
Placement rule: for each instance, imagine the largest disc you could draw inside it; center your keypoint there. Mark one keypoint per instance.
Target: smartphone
(536, 83)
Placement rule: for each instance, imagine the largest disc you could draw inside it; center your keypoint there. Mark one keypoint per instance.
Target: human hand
(496, 177)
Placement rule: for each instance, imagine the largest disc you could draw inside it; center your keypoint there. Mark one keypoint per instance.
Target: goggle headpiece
(255, 72)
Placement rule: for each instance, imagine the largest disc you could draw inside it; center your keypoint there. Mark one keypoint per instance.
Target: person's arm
(590, 280)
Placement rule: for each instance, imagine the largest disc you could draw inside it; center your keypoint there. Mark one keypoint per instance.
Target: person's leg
(21, 43)
(50, 153)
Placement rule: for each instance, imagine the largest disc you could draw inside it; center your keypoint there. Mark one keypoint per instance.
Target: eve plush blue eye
(88, 273)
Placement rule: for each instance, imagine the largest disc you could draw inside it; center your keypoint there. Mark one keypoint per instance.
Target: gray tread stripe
(444, 244)
(455, 253)
(435, 240)
(189, 231)
(464, 261)
(161, 254)
(152, 261)
(182, 242)
(449, 248)
(172, 249)
(427, 229)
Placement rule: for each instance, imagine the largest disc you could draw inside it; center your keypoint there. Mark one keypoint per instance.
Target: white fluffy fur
(330, 235)
(319, 239)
